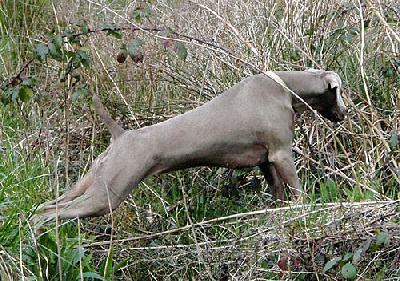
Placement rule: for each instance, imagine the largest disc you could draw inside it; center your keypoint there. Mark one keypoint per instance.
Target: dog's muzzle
(335, 115)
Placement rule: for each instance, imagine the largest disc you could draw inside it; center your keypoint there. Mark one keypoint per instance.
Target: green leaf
(77, 255)
(357, 255)
(147, 12)
(356, 196)
(41, 51)
(57, 40)
(367, 244)
(333, 189)
(68, 32)
(25, 93)
(132, 46)
(80, 91)
(84, 27)
(52, 49)
(15, 94)
(55, 52)
(6, 96)
(84, 57)
(75, 22)
(136, 15)
(91, 275)
(349, 272)
(28, 82)
(107, 265)
(347, 256)
(114, 33)
(330, 264)
(324, 193)
(5, 99)
(380, 275)
(180, 50)
(394, 140)
(106, 26)
(133, 51)
(122, 263)
(84, 48)
(134, 43)
(111, 30)
(348, 5)
(382, 238)
(140, 12)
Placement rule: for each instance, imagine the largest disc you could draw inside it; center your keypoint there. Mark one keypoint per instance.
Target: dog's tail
(115, 129)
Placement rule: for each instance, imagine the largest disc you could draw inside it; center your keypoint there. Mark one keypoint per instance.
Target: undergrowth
(152, 60)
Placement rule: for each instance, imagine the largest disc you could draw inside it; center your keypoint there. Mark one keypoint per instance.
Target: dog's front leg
(282, 162)
(274, 181)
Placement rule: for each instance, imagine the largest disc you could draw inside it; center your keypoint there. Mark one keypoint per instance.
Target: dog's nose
(341, 113)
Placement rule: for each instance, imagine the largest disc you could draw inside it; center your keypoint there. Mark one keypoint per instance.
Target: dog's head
(333, 108)
(330, 103)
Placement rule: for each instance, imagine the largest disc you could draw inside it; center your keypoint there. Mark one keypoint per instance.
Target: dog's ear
(331, 80)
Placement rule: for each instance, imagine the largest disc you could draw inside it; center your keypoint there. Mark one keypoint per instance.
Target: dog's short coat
(251, 124)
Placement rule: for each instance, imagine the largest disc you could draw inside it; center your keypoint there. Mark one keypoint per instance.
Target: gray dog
(251, 124)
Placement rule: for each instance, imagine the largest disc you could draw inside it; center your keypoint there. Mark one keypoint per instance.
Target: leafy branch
(66, 46)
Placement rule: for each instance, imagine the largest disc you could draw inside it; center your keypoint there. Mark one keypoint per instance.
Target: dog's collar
(278, 80)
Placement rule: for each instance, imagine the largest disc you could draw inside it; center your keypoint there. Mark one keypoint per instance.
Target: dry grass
(188, 225)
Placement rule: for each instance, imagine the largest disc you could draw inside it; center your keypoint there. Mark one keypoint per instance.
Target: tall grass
(203, 223)
(19, 23)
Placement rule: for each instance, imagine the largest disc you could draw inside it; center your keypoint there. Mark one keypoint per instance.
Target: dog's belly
(234, 156)
(229, 155)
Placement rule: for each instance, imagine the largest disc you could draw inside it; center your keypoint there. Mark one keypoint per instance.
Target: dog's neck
(299, 83)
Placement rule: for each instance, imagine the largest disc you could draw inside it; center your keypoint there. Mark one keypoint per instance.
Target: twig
(383, 21)
(235, 31)
(207, 223)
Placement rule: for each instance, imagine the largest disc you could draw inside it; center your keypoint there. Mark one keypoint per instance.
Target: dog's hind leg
(104, 194)
(127, 161)
(77, 190)
(84, 183)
